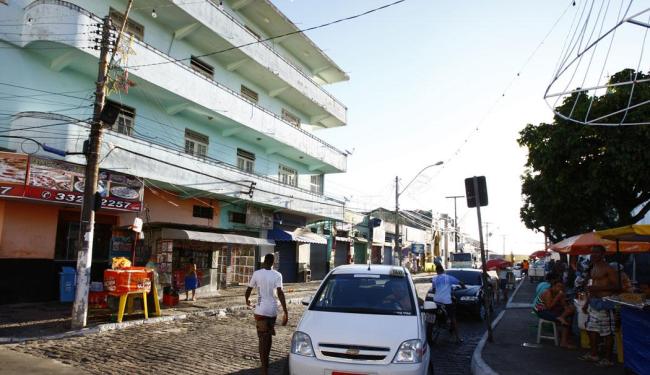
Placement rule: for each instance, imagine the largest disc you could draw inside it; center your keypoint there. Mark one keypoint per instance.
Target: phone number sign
(52, 180)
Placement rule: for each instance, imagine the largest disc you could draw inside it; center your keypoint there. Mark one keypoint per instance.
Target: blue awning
(298, 235)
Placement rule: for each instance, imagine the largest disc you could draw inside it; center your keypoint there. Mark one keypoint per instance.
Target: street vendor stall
(635, 307)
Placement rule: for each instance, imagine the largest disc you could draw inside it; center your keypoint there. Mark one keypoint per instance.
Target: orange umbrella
(581, 244)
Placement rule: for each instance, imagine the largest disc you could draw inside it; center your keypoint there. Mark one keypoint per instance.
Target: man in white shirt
(266, 280)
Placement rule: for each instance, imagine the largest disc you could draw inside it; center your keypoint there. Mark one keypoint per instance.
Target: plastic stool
(540, 336)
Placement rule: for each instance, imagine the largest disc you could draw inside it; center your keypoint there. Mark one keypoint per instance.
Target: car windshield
(461, 257)
(467, 277)
(365, 294)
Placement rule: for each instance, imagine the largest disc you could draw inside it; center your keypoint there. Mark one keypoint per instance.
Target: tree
(580, 178)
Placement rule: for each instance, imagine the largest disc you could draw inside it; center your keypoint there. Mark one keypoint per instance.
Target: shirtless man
(601, 322)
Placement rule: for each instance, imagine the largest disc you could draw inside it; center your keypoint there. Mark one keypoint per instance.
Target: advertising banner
(13, 173)
(39, 178)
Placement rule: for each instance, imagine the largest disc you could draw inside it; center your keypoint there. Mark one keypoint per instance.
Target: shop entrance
(342, 253)
(318, 261)
(360, 253)
(285, 252)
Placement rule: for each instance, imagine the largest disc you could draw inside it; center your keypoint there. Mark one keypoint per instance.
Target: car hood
(471, 290)
(371, 330)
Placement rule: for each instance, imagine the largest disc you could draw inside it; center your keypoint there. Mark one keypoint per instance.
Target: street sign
(471, 193)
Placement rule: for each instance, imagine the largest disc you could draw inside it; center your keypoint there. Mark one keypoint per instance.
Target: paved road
(216, 345)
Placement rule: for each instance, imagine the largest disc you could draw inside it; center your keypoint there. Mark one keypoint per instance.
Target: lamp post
(397, 195)
(454, 197)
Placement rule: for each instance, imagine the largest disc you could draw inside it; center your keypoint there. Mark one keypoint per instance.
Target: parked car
(364, 319)
(471, 297)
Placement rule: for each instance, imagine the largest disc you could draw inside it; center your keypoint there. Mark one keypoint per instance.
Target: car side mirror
(306, 301)
(429, 306)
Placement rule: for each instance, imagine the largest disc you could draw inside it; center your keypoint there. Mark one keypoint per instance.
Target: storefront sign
(417, 248)
(39, 178)
(13, 173)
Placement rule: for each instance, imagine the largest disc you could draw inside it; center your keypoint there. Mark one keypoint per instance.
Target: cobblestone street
(216, 345)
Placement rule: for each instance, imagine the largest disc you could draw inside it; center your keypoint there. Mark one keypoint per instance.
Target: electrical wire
(277, 36)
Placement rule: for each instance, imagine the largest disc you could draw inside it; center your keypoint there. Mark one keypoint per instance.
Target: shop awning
(343, 239)
(180, 234)
(298, 235)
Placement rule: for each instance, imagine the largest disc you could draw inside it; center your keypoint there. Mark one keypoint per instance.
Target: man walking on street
(601, 321)
(266, 310)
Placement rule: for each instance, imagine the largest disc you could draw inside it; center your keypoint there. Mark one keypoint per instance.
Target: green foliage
(582, 177)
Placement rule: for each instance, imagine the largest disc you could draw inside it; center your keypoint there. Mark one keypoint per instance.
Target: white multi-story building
(215, 144)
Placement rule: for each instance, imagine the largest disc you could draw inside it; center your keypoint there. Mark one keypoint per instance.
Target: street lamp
(397, 195)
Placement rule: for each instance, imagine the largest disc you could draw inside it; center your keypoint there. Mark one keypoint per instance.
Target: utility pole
(454, 197)
(483, 259)
(397, 247)
(84, 257)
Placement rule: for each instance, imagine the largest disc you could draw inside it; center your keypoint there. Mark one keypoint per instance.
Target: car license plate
(346, 373)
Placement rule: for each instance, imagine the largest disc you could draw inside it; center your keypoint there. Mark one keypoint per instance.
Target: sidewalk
(515, 350)
(28, 321)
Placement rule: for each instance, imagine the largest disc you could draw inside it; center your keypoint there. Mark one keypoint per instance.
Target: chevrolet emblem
(352, 351)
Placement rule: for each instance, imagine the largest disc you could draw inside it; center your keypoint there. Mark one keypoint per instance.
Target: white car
(364, 319)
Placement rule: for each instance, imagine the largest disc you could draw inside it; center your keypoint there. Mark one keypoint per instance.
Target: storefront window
(68, 242)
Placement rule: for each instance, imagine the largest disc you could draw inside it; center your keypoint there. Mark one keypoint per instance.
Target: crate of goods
(126, 280)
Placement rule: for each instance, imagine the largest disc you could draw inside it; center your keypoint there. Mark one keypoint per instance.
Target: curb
(478, 365)
(106, 327)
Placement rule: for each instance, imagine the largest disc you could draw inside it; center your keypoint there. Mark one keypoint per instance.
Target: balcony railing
(231, 167)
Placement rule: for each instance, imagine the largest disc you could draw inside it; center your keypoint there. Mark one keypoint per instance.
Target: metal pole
(397, 220)
(484, 266)
(456, 229)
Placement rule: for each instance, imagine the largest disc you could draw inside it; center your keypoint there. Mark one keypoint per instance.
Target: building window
(132, 27)
(317, 182)
(237, 217)
(125, 120)
(290, 118)
(196, 144)
(249, 94)
(245, 160)
(202, 67)
(288, 176)
(203, 212)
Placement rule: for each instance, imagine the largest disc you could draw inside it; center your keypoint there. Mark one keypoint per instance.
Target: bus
(461, 260)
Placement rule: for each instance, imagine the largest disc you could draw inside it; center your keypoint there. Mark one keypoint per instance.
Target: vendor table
(636, 339)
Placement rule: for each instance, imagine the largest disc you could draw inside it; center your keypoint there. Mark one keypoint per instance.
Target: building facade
(215, 144)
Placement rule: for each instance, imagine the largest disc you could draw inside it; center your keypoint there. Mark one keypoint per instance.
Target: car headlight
(468, 298)
(410, 351)
(301, 344)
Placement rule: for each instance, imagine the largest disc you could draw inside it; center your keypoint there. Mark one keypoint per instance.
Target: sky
(424, 75)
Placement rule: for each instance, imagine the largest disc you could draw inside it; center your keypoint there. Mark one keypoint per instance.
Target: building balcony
(189, 176)
(281, 77)
(177, 86)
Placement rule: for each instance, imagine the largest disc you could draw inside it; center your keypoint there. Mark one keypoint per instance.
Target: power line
(277, 36)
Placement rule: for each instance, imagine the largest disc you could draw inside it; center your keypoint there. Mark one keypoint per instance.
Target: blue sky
(424, 74)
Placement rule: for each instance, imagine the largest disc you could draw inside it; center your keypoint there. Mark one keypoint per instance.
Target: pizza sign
(59, 181)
